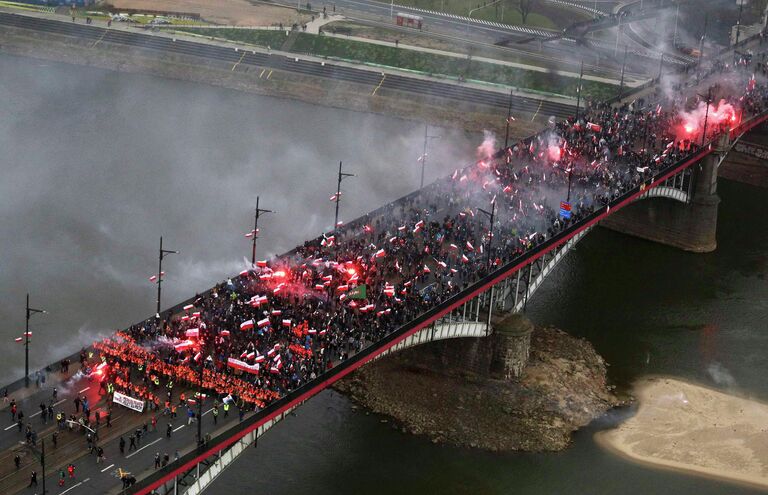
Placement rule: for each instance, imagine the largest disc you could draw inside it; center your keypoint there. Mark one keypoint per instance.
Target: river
(96, 166)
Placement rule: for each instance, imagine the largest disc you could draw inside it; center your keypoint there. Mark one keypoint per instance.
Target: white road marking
(144, 447)
(206, 412)
(180, 427)
(85, 389)
(38, 412)
(75, 486)
(14, 424)
(111, 465)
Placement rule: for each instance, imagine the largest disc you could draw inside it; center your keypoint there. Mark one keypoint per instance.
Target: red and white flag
(263, 323)
(246, 325)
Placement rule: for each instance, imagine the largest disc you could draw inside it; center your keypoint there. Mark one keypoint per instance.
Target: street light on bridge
(29, 313)
(337, 197)
(255, 233)
(491, 215)
(423, 157)
(161, 255)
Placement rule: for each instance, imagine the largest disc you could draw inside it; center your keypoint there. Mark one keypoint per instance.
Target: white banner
(129, 402)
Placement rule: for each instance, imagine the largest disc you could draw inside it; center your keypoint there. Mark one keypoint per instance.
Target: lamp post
(491, 215)
(423, 158)
(255, 232)
(161, 255)
(706, 115)
(29, 313)
(337, 197)
(509, 117)
(578, 90)
(623, 67)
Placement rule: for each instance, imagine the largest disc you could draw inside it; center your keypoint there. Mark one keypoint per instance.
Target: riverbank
(434, 110)
(695, 429)
(430, 390)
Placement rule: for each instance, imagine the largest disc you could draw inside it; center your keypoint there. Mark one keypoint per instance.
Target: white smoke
(721, 375)
(488, 147)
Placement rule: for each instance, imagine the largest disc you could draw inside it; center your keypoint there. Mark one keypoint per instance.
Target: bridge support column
(690, 226)
(512, 346)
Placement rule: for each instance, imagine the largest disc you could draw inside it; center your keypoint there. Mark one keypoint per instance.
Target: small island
(688, 427)
(451, 391)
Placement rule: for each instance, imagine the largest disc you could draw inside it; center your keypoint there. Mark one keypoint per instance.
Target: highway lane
(290, 64)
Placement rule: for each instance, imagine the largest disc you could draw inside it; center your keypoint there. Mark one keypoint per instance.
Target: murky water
(96, 166)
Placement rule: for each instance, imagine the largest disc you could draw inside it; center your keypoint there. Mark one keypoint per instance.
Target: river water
(96, 166)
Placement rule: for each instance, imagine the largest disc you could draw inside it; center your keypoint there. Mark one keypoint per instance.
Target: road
(240, 60)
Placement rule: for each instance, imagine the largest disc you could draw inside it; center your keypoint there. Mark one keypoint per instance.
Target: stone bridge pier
(690, 225)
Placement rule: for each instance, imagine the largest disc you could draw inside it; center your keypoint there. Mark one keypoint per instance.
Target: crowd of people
(281, 323)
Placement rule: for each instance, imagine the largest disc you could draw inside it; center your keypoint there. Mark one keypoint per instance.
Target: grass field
(504, 11)
(257, 37)
(427, 63)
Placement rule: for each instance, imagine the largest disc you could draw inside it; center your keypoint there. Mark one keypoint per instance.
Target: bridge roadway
(328, 70)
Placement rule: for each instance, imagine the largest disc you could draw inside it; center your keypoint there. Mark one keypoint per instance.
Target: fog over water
(97, 165)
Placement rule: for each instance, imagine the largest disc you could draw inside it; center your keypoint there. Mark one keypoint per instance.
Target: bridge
(442, 296)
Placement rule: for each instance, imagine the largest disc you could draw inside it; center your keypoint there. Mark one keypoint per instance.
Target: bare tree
(525, 7)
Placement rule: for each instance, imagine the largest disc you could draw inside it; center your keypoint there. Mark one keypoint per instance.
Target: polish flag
(192, 332)
(198, 356)
(188, 307)
(380, 253)
(246, 325)
(464, 258)
(261, 264)
(470, 246)
(286, 323)
(250, 355)
(594, 127)
(342, 288)
(244, 273)
(311, 331)
(224, 333)
(426, 269)
(324, 331)
(442, 264)
(454, 247)
(185, 318)
(263, 323)
(335, 197)
(153, 278)
(259, 358)
(271, 353)
(18, 339)
(276, 312)
(196, 314)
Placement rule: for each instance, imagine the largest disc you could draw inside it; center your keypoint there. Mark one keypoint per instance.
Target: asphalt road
(91, 477)
(289, 64)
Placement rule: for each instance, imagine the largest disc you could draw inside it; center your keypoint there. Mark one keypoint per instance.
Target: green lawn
(258, 37)
(504, 11)
(449, 66)
(428, 63)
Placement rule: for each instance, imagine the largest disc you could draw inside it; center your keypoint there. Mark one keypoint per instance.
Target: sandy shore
(699, 430)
